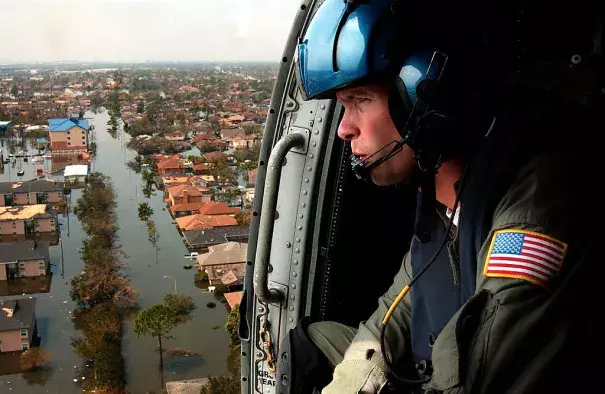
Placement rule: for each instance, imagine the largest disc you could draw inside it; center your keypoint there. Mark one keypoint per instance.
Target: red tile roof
(170, 163)
(218, 208)
(177, 191)
(199, 222)
(234, 298)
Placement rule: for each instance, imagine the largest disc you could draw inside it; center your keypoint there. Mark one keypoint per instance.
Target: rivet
(306, 180)
(305, 192)
(314, 143)
(294, 274)
(260, 309)
(272, 167)
(300, 216)
(322, 106)
(310, 123)
(309, 169)
(295, 262)
(319, 120)
(292, 297)
(302, 204)
(316, 131)
(289, 104)
(299, 228)
(290, 319)
(310, 155)
(294, 285)
(288, 244)
(259, 355)
(291, 308)
(297, 250)
(297, 239)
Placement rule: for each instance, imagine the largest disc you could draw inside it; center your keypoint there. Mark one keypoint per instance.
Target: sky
(139, 30)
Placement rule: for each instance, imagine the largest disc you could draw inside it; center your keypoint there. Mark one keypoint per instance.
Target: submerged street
(54, 307)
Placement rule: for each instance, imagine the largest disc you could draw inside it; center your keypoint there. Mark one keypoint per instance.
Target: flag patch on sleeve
(524, 255)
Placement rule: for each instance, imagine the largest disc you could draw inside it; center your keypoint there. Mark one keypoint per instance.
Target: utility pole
(166, 276)
(62, 259)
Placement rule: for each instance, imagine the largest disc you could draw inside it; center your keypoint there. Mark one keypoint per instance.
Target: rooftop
(76, 170)
(198, 222)
(213, 236)
(23, 212)
(35, 186)
(221, 257)
(64, 124)
(179, 190)
(20, 251)
(17, 314)
(234, 298)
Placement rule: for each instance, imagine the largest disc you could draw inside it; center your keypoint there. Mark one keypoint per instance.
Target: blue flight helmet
(348, 44)
(352, 43)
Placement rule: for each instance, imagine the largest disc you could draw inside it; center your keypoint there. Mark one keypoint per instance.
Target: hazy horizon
(121, 31)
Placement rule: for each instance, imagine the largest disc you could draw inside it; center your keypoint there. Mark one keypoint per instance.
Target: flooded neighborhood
(195, 187)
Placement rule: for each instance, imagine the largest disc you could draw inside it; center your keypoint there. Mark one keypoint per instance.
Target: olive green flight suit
(512, 335)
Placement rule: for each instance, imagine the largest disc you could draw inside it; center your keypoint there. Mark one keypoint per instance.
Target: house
(68, 134)
(224, 263)
(203, 138)
(75, 174)
(199, 222)
(204, 208)
(175, 136)
(28, 219)
(201, 169)
(203, 239)
(31, 192)
(234, 298)
(213, 156)
(245, 142)
(23, 259)
(184, 194)
(17, 324)
(236, 119)
(188, 209)
(252, 174)
(171, 166)
(231, 133)
(250, 195)
(202, 181)
(169, 181)
(4, 125)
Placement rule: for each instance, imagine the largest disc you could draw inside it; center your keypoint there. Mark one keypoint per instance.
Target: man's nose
(347, 130)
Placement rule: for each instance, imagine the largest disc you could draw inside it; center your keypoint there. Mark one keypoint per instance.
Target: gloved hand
(356, 376)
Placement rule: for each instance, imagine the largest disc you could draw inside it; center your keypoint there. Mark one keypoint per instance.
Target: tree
(194, 159)
(145, 211)
(34, 358)
(222, 173)
(181, 304)
(140, 107)
(223, 384)
(14, 90)
(232, 326)
(243, 218)
(156, 321)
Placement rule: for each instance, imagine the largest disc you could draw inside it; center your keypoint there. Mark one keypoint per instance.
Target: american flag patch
(524, 255)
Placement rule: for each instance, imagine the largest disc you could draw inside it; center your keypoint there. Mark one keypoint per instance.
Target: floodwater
(54, 308)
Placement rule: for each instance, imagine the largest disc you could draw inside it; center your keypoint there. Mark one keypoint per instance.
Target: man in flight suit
(507, 302)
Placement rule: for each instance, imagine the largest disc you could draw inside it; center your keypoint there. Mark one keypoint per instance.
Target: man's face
(367, 124)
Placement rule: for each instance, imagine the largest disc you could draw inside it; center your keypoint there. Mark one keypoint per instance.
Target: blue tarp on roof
(64, 124)
(41, 140)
